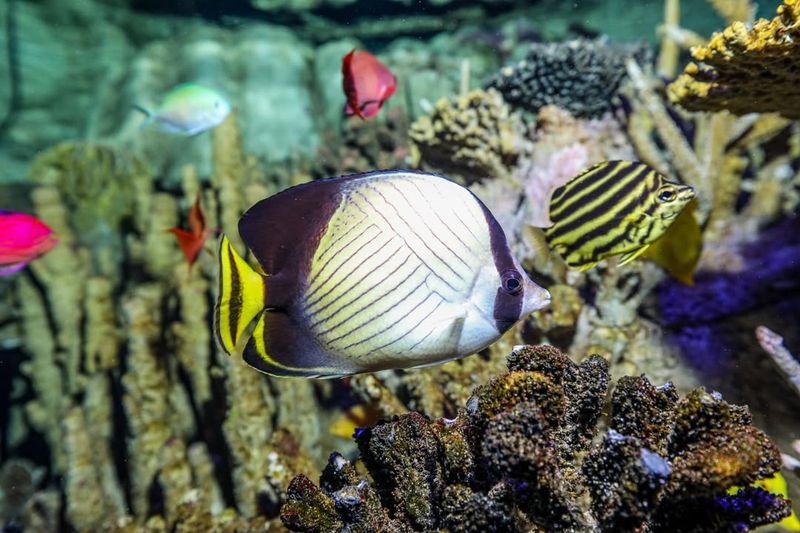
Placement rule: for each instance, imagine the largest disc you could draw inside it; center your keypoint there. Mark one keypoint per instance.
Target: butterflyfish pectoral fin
(630, 256)
(240, 296)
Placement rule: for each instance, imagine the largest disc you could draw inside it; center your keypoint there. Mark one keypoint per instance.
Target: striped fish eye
(666, 195)
(512, 282)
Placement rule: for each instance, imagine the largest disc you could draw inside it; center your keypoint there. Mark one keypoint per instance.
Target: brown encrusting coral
(475, 136)
(746, 70)
(519, 457)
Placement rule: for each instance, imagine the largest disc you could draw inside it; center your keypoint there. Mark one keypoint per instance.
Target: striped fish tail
(240, 297)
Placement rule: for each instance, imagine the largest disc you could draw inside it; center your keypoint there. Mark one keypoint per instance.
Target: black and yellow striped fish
(389, 269)
(614, 208)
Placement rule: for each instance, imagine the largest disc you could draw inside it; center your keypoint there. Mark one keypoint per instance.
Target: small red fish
(192, 241)
(367, 84)
(23, 238)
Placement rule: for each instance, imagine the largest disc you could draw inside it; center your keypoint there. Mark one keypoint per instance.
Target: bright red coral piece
(367, 84)
(193, 240)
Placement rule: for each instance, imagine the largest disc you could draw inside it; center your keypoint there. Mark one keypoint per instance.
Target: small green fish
(189, 109)
(389, 269)
(613, 208)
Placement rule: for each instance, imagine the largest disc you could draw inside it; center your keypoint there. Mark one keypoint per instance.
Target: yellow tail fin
(240, 297)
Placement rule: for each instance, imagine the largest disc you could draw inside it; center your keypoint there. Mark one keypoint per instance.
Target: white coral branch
(772, 343)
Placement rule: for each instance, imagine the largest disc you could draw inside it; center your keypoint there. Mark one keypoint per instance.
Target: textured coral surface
(475, 136)
(747, 70)
(525, 455)
(580, 76)
(119, 412)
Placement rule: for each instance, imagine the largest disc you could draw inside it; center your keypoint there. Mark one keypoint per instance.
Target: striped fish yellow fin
(626, 258)
(240, 296)
(282, 347)
(584, 266)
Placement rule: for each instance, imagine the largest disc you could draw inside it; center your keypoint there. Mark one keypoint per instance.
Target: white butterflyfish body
(389, 269)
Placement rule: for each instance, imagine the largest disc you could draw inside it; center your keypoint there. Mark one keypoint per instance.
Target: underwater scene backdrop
(600, 198)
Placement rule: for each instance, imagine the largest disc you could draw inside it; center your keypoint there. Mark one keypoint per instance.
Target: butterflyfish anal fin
(282, 347)
(240, 296)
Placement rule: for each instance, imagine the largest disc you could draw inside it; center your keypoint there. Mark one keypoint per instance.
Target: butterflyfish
(613, 208)
(23, 238)
(191, 241)
(388, 269)
(367, 84)
(188, 109)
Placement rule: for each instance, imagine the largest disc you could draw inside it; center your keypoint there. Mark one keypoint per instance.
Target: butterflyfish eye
(667, 195)
(512, 282)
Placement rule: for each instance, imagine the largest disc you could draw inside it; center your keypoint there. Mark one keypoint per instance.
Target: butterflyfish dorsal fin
(284, 229)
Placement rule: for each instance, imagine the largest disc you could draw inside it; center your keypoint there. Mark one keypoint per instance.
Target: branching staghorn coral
(746, 70)
(772, 343)
(716, 160)
(522, 456)
(474, 136)
(154, 415)
(733, 10)
(674, 38)
(185, 456)
(96, 182)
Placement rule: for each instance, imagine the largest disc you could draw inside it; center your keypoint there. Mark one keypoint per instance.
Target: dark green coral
(519, 457)
(582, 76)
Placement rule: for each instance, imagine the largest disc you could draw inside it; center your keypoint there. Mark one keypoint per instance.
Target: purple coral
(712, 322)
(772, 268)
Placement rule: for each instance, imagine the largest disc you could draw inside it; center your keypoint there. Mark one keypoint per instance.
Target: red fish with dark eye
(367, 84)
(23, 238)
(193, 240)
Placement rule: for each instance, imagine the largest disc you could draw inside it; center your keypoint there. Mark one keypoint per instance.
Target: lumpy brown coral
(746, 70)
(519, 457)
(474, 135)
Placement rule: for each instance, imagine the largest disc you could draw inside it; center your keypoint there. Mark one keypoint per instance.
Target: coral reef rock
(520, 457)
(746, 70)
(475, 136)
(581, 76)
